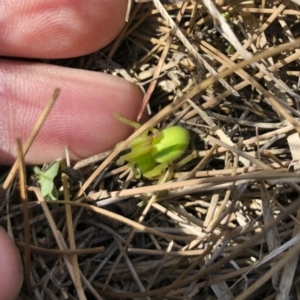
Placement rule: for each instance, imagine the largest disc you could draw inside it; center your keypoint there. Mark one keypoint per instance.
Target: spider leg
(127, 121)
(142, 164)
(157, 171)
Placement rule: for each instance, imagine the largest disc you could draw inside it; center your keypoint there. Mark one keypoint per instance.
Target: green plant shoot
(227, 15)
(46, 178)
(154, 151)
(228, 18)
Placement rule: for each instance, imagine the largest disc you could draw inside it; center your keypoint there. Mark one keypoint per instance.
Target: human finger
(58, 29)
(83, 117)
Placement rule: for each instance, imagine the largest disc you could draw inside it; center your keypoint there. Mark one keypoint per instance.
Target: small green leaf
(46, 178)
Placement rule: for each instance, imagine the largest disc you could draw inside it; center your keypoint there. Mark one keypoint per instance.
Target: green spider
(154, 151)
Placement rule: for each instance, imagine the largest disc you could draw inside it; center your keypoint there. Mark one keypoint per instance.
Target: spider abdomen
(170, 145)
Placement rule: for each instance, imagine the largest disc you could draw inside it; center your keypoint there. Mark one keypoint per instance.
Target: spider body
(154, 151)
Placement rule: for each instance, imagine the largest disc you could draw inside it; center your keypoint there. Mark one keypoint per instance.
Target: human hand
(82, 118)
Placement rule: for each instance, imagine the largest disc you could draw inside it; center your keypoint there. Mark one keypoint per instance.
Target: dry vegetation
(228, 227)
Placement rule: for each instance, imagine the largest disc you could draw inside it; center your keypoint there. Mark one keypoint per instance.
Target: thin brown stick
(60, 252)
(24, 200)
(72, 243)
(34, 132)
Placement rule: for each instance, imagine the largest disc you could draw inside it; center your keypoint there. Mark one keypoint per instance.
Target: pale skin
(83, 116)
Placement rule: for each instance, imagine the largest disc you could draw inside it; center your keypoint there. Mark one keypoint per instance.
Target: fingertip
(68, 28)
(11, 272)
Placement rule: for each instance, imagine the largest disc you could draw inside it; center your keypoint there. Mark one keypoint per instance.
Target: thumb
(11, 273)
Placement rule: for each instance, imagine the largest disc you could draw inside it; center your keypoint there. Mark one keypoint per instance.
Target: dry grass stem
(225, 225)
(26, 218)
(34, 132)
